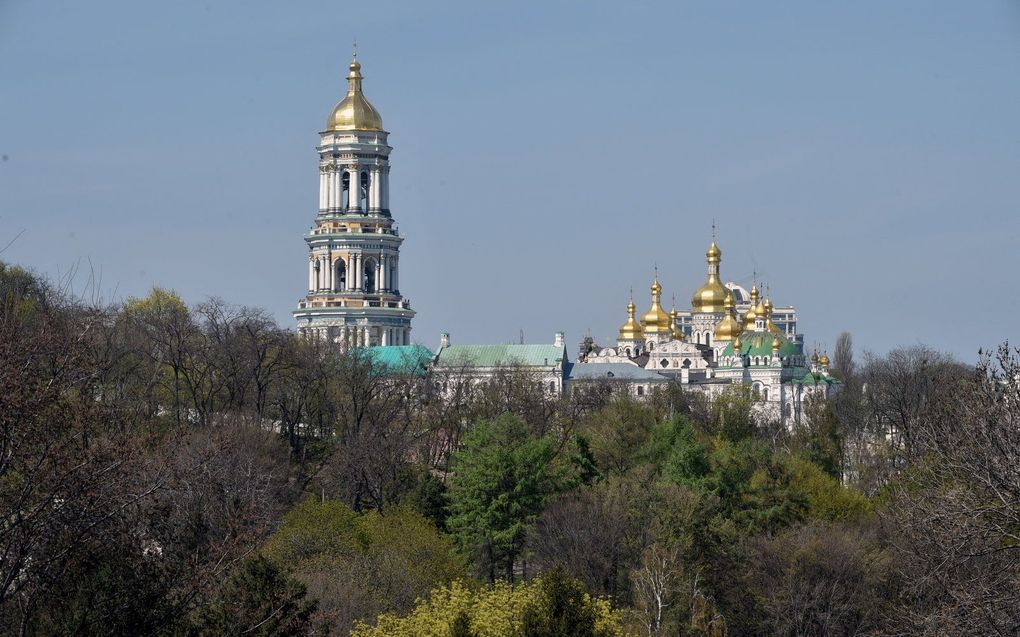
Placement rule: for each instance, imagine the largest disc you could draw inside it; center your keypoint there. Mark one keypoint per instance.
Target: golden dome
(776, 343)
(737, 346)
(674, 325)
(354, 112)
(631, 330)
(729, 327)
(750, 315)
(814, 357)
(710, 296)
(655, 320)
(772, 327)
(823, 360)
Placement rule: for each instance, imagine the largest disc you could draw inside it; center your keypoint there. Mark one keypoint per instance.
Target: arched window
(552, 387)
(339, 276)
(640, 390)
(765, 393)
(370, 268)
(345, 193)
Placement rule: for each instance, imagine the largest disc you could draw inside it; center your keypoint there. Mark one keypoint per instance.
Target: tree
(819, 580)
(843, 365)
(361, 565)
(955, 513)
(502, 478)
(258, 600)
(552, 605)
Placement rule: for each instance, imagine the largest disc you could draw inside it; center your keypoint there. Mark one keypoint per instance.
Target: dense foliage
(167, 469)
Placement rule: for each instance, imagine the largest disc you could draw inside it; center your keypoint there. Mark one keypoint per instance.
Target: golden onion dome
(737, 345)
(354, 112)
(729, 327)
(709, 297)
(814, 357)
(823, 360)
(776, 343)
(772, 327)
(631, 330)
(750, 315)
(674, 325)
(655, 320)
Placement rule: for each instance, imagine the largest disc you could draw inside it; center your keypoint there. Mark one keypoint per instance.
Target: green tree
(731, 413)
(675, 448)
(502, 478)
(551, 605)
(260, 599)
(360, 565)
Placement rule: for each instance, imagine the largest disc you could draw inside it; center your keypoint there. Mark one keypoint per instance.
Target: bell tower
(353, 247)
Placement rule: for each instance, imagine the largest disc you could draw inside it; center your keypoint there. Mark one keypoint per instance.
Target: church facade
(729, 337)
(354, 293)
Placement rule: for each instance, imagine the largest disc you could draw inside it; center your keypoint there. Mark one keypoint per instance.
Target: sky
(863, 158)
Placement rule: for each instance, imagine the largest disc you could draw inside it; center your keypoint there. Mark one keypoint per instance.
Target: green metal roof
(497, 355)
(812, 378)
(401, 359)
(760, 344)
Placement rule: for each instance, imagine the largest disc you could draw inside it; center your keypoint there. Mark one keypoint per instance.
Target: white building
(353, 247)
(729, 336)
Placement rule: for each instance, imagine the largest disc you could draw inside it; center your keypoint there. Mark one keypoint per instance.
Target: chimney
(558, 341)
(444, 340)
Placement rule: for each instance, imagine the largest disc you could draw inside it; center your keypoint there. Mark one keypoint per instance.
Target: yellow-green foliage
(496, 611)
(827, 499)
(159, 300)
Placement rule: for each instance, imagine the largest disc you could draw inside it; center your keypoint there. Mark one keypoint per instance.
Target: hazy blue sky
(863, 156)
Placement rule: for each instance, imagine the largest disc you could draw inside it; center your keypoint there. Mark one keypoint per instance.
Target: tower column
(311, 274)
(354, 196)
(322, 190)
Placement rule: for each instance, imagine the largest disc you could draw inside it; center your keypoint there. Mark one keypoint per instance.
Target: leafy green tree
(502, 478)
(562, 610)
(731, 413)
(674, 447)
(260, 599)
(360, 565)
(583, 468)
(618, 433)
(551, 605)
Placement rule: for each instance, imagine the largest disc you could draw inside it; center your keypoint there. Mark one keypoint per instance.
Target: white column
(330, 195)
(368, 339)
(384, 183)
(376, 197)
(355, 188)
(384, 266)
(322, 189)
(311, 274)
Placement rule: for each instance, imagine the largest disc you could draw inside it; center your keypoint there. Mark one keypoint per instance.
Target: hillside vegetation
(167, 469)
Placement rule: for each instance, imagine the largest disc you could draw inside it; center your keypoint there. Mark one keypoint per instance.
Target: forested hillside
(167, 469)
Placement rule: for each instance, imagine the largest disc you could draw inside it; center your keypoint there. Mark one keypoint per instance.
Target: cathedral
(353, 247)
(729, 336)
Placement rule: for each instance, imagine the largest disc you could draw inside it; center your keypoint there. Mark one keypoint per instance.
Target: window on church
(640, 390)
(345, 195)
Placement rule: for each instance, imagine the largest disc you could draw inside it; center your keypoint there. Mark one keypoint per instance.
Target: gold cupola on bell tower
(354, 112)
